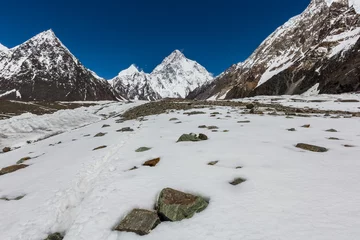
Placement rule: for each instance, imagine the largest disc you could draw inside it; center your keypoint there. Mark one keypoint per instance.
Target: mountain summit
(175, 77)
(42, 68)
(320, 46)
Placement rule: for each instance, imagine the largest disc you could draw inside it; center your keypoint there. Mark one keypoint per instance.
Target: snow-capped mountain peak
(129, 71)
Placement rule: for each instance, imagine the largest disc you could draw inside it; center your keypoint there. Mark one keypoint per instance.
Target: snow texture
(289, 193)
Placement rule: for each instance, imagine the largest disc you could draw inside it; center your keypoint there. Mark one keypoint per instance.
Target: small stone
(327, 115)
(239, 167)
(173, 119)
(134, 168)
(101, 147)
(333, 138)
(142, 149)
(23, 160)
(125, 129)
(225, 131)
(250, 106)
(12, 168)
(228, 116)
(139, 221)
(331, 130)
(203, 137)
(215, 113)
(348, 145)
(212, 127)
(213, 163)
(289, 117)
(173, 205)
(6, 149)
(246, 121)
(105, 125)
(100, 134)
(291, 129)
(237, 181)
(188, 138)
(306, 126)
(55, 236)
(194, 113)
(311, 148)
(178, 122)
(12, 199)
(152, 163)
(202, 126)
(87, 135)
(214, 130)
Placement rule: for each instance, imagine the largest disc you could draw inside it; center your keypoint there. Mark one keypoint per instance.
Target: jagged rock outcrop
(42, 68)
(319, 46)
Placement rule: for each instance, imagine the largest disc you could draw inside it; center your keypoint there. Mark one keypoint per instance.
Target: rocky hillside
(134, 84)
(319, 46)
(175, 77)
(42, 68)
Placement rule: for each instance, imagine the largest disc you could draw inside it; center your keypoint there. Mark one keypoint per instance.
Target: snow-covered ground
(289, 193)
(321, 101)
(16, 131)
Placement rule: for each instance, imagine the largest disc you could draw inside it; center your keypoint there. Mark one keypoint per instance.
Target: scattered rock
(215, 113)
(105, 125)
(289, 117)
(327, 115)
(237, 181)
(246, 121)
(212, 115)
(152, 163)
(12, 199)
(203, 137)
(173, 205)
(228, 116)
(125, 129)
(213, 163)
(214, 130)
(348, 145)
(101, 147)
(202, 126)
(306, 126)
(347, 100)
(139, 221)
(134, 168)
(250, 106)
(333, 138)
(311, 148)
(291, 129)
(119, 121)
(225, 131)
(142, 149)
(194, 113)
(238, 167)
(173, 119)
(212, 127)
(100, 134)
(331, 130)
(12, 168)
(178, 122)
(87, 135)
(55, 144)
(55, 236)
(23, 160)
(6, 149)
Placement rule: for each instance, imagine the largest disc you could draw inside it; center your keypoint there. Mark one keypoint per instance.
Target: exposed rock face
(319, 47)
(134, 84)
(42, 68)
(139, 221)
(174, 205)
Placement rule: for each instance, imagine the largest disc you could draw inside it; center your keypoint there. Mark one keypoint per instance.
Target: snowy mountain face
(42, 68)
(319, 46)
(175, 77)
(134, 85)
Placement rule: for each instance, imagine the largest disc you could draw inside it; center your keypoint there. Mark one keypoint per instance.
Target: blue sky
(108, 36)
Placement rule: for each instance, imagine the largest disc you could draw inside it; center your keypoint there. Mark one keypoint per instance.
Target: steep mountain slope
(319, 46)
(176, 76)
(42, 68)
(134, 84)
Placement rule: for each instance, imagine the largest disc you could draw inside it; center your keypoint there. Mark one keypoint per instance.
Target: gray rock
(213, 163)
(311, 148)
(105, 125)
(142, 149)
(54, 236)
(203, 137)
(139, 221)
(100, 134)
(125, 129)
(331, 130)
(237, 181)
(100, 147)
(188, 138)
(6, 149)
(174, 205)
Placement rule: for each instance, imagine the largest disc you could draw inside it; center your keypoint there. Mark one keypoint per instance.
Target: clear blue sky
(108, 36)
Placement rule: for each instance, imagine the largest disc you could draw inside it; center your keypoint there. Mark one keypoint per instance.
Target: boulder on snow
(212, 127)
(192, 137)
(237, 181)
(331, 130)
(12, 168)
(173, 119)
(213, 163)
(250, 106)
(23, 160)
(12, 199)
(311, 148)
(100, 147)
(105, 125)
(139, 221)
(100, 134)
(142, 149)
(125, 129)
(203, 137)
(306, 126)
(202, 126)
(6, 149)
(174, 205)
(55, 236)
(152, 163)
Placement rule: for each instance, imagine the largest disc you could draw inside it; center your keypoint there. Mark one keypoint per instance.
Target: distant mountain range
(319, 47)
